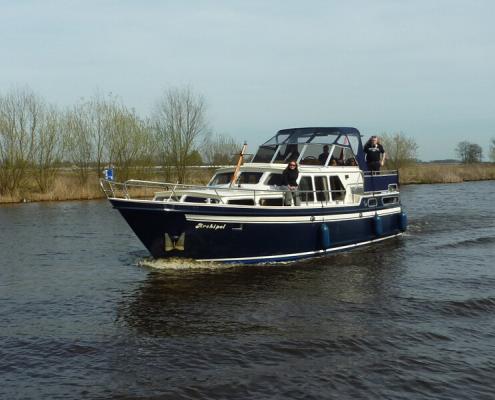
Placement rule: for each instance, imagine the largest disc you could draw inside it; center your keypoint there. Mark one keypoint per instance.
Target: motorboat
(242, 216)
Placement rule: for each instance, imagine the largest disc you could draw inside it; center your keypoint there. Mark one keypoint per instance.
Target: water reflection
(271, 299)
(413, 316)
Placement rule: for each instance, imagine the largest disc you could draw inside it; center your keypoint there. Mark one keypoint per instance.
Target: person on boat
(374, 154)
(289, 179)
(323, 157)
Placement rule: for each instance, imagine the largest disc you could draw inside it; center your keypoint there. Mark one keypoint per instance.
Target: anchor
(174, 242)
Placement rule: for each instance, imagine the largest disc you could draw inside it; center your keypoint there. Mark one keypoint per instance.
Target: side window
(192, 199)
(338, 190)
(321, 187)
(306, 189)
(274, 180)
(242, 202)
(272, 202)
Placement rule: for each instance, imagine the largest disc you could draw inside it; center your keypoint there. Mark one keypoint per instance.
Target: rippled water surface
(84, 314)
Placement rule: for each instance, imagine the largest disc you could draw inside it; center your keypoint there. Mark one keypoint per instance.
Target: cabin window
(166, 197)
(321, 187)
(306, 189)
(372, 202)
(249, 177)
(274, 180)
(221, 179)
(272, 202)
(390, 200)
(192, 199)
(338, 190)
(242, 202)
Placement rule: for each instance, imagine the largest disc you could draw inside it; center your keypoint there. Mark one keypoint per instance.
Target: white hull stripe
(245, 219)
(307, 253)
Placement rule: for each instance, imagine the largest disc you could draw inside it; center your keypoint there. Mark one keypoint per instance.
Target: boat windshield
(221, 179)
(307, 146)
(249, 177)
(265, 154)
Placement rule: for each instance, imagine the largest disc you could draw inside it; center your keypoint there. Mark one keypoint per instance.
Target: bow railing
(234, 195)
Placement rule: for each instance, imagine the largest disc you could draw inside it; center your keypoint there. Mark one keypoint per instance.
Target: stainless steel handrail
(112, 188)
(308, 197)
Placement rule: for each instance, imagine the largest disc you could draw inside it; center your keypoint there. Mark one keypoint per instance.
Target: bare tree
(469, 152)
(462, 150)
(48, 148)
(131, 145)
(77, 140)
(20, 112)
(401, 150)
(180, 122)
(221, 150)
(98, 113)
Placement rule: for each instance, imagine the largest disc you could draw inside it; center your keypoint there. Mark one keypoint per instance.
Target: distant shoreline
(66, 186)
(431, 173)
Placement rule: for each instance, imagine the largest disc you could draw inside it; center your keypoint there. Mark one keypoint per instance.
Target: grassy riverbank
(446, 173)
(68, 187)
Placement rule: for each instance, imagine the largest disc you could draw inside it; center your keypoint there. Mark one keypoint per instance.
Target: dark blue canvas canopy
(345, 137)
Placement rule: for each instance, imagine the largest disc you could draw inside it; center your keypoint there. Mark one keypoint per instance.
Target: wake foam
(181, 264)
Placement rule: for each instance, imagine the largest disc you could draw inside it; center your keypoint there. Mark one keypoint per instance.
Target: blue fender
(378, 225)
(324, 236)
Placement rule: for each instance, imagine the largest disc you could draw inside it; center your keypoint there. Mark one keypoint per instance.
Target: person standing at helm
(374, 154)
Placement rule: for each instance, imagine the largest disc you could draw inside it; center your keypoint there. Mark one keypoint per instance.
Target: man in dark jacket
(374, 154)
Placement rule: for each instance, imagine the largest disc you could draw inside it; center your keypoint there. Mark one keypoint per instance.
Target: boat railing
(139, 189)
(380, 181)
(146, 190)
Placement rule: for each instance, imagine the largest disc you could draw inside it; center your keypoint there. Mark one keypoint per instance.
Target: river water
(410, 318)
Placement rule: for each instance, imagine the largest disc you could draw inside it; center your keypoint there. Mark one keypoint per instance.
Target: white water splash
(177, 264)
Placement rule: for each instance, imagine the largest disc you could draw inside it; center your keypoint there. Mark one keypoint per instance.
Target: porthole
(390, 200)
(372, 202)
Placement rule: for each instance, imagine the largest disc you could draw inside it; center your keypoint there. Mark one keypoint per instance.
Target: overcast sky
(425, 68)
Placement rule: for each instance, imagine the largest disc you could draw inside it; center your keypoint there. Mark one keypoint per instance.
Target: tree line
(401, 150)
(37, 138)
(473, 153)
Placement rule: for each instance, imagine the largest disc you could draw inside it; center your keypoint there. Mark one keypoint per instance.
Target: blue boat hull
(253, 235)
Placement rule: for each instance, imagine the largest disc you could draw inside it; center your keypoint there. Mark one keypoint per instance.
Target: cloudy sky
(424, 68)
